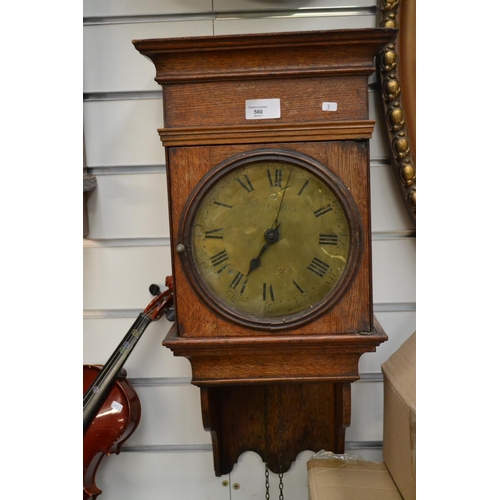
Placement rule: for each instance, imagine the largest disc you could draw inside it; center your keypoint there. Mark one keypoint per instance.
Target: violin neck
(101, 387)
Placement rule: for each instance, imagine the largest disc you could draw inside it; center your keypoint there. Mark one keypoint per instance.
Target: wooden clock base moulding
(276, 395)
(277, 421)
(278, 358)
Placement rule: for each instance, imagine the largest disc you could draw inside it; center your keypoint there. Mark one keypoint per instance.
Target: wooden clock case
(274, 391)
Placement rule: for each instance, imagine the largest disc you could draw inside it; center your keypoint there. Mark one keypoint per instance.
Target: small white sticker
(329, 106)
(116, 406)
(261, 109)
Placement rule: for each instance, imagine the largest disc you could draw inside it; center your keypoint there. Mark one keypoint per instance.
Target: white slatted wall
(127, 249)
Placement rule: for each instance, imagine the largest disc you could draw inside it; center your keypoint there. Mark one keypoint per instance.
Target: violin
(111, 407)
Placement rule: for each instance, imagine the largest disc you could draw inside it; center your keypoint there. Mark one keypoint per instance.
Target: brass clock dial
(270, 238)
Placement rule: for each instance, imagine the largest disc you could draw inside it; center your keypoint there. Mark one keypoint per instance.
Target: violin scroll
(158, 306)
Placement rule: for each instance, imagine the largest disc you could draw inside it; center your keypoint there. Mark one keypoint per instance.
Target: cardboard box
(344, 477)
(399, 451)
(341, 479)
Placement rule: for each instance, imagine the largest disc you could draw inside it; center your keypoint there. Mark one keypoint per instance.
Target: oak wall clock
(267, 150)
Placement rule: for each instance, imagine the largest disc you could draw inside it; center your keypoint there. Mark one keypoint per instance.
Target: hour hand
(255, 263)
(271, 236)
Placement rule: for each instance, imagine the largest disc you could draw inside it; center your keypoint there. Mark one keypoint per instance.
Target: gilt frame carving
(396, 71)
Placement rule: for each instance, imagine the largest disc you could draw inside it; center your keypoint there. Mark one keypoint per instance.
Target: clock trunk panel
(351, 313)
(221, 103)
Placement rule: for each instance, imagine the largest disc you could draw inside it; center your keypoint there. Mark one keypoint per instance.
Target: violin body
(111, 407)
(115, 422)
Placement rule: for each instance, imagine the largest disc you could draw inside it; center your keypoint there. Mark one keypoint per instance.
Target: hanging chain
(267, 482)
(280, 451)
(280, 460)
(280, 475)
(266, 422)
(281, 497)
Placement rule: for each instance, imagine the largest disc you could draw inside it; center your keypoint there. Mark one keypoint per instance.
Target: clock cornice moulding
(315, 53)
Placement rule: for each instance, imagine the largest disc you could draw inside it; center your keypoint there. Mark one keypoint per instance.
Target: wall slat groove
(145, 94)
(363, 445)
(160, 242)
(169, 381)
(127, 169)
(183, 448)
(133, 313)
(126, 242)
(334, 11)
(167, 448)
(160, 169)
(121, 96)
(159, 381)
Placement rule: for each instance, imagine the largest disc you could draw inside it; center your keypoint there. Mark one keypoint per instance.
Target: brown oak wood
(263, 56)
(271, 133)
(222, 104)
(274, 421)
(276, 358)
(347, 159)
(280, 391)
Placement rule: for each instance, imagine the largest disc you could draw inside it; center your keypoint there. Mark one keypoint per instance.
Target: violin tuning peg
(154, 289)
(170, 314)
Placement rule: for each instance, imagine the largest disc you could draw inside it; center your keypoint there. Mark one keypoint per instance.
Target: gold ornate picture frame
(397, 91)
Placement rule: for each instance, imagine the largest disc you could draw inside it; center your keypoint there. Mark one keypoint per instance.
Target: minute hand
(272, 235)
(275, 223)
